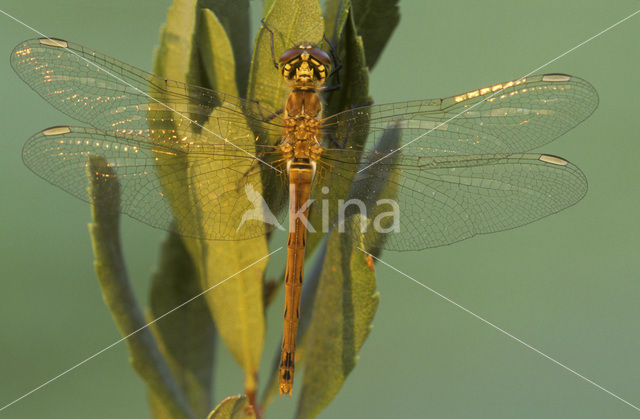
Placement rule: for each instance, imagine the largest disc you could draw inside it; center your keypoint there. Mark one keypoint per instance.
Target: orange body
(305, 68)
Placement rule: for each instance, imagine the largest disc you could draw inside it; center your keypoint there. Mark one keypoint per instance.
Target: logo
(260, 210)
(383, 215)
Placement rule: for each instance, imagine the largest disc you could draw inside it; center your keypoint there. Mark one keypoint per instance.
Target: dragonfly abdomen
(300, 178)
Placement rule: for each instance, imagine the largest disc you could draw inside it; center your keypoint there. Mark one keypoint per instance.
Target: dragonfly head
(305, 65)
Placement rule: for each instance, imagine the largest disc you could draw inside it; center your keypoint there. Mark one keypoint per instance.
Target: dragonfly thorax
(301, 149)
(302, 105)
(305, 67)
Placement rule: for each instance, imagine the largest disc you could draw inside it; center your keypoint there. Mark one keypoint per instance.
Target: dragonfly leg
(330, 88)
(335, 57)
(334, 142)
(273, 115)
(273, 53)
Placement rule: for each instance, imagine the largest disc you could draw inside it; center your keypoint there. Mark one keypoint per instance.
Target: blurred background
(567, 285)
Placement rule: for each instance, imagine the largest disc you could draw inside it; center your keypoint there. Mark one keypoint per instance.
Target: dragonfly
(212, 166)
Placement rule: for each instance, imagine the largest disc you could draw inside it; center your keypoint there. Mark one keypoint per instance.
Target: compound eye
(290, 54)
(320, 55)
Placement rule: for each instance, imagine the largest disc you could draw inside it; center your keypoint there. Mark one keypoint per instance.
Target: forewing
(112, 95)
(231, 208)
(509, 117)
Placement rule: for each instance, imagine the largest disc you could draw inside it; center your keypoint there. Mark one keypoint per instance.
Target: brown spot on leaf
(370, 264)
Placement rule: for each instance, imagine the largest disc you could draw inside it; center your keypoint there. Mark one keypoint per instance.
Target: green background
(567, 285)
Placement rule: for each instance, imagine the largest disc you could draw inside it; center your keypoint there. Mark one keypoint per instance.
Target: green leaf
(266, 6)
(187, 336)
(118, 296)
(335, 15)
(176, 56)
(376, 20)
(237, 305)
(344, 307)
(354, 74)
(233, 407)
(215, 52)
(233, 15)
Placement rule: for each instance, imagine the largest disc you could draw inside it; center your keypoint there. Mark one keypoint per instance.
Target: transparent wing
(509, 117)
(459, 178)
(214, 190)
(445, 199)
(111, 95)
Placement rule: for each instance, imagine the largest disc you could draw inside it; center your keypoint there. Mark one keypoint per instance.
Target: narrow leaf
(216, 54)
(236, 305)
(187, 336)
(233, 15)
(335, 15)
(344, 307)
(174, 57)
(266, 6)
(118, 295)
(353, 88)
(233, 407)
(375, 20)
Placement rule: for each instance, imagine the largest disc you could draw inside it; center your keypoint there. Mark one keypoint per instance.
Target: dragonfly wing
(440, 200)
(112, 95)
(509, 117)
(214, 191)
